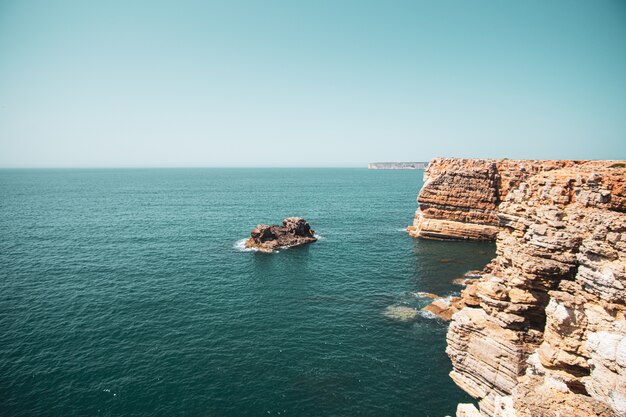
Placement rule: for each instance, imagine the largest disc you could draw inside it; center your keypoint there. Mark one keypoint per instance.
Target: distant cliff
(397, 165)
(543, 332)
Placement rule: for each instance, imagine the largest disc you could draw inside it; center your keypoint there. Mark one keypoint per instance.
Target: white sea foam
(422, 294)
(240, 245)
(401, 230)
(447, 299)
(427, 314)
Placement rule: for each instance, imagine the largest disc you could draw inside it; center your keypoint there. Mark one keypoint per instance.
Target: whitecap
(318, 237)
(447, 299)
(401, 230)
(240, 245)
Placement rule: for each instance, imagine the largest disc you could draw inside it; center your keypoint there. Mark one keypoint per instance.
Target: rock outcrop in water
(543, 331)
(295, 231)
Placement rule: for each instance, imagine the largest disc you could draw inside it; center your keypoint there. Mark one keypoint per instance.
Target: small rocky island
(295, 231)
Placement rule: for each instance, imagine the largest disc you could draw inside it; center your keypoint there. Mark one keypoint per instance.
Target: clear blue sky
(309, 83)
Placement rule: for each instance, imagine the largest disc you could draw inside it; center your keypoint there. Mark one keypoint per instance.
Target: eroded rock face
(459, 198)
(543, 332)
(295, 231)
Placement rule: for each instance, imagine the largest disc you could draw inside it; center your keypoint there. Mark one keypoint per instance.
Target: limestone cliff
(543, 332)
(459, 198)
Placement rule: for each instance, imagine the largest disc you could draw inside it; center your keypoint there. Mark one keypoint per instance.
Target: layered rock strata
(459, 198)
(295, 231)
(543, 331)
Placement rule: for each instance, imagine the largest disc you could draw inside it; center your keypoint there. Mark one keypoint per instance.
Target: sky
(309, 83)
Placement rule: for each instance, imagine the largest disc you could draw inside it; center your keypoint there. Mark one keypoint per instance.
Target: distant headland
(397, 165)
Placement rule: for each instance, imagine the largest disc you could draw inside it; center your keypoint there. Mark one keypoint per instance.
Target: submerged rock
(474, 274)
(295, 231)
(468, 278)
(422, 294)
(400, 313)
(461, 282)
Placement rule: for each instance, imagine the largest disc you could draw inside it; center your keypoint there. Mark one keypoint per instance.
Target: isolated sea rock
(295, 231)
(543, 330)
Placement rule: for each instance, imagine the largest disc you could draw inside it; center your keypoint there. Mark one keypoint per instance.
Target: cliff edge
(543, 331)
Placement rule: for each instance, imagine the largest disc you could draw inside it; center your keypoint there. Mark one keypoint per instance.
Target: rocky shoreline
(543, 331)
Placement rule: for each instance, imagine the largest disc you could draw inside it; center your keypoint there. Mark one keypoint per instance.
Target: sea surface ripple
(123, 292)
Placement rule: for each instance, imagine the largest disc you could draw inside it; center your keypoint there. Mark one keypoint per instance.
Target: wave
(447, 299)
(240, 245)
(319, 237)
(422, 294)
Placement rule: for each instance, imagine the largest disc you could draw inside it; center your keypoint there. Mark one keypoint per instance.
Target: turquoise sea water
(123, 292)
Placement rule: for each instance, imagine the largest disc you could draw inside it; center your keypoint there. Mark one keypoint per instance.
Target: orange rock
(543, 331)
(444, 309)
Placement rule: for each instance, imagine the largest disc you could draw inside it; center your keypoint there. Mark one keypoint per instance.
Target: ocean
(126, 292)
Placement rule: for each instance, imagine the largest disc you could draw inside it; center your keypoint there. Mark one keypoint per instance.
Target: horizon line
(180, 166)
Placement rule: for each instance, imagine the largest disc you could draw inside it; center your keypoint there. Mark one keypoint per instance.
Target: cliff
(543, 331)
(459, 198)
